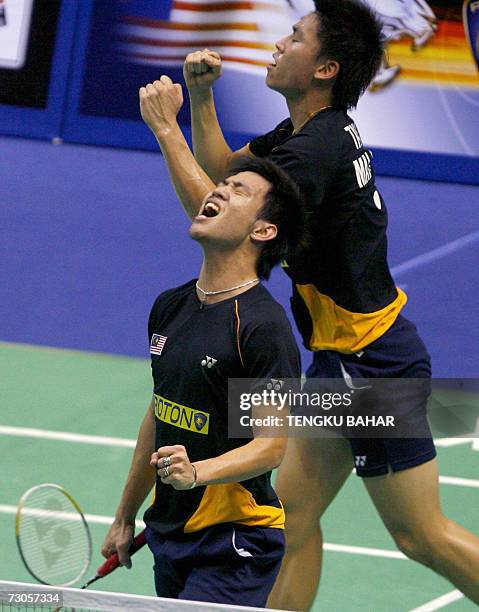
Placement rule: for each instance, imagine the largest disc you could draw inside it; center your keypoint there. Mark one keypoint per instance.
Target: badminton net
(21, 596)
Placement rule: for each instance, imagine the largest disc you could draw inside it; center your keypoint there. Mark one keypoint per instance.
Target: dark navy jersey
(195, 349)
(344, 283)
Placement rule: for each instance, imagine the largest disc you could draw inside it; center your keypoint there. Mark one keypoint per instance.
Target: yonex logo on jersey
(208, 362)
(360, 460)
(181, 416)
(157, 344)
(275, 385)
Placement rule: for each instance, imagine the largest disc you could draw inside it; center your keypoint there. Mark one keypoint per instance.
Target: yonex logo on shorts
(360, 460)
(184, 417)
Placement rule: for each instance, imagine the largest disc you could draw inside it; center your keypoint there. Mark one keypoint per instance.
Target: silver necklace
(250, 282)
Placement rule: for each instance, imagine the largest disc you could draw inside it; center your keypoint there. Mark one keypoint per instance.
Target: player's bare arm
(140, 481)
(257, 457)
(160, 103)
(201, 69)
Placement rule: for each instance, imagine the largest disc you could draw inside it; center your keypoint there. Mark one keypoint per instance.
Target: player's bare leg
(309, 478)
(408, 502)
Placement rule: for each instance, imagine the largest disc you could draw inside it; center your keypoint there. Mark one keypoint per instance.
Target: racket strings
(53, 537)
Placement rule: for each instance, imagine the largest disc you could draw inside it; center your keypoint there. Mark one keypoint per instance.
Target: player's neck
(225, 271)
(303, 108)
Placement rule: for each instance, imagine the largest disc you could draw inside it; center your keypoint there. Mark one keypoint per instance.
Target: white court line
(108, 520)
(440, 602)
(448, 442)
(363, 550)
(95, 519)
(459, 482)
(438, 253)
(65, 436)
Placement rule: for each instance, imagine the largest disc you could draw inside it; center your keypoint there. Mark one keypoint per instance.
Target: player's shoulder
(263, 145)
(328, 125)
(321, 138)
(258, 307)
(336, 137)
(173, 295)
(284, 126)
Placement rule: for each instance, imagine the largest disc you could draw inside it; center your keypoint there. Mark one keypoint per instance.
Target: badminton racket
(54, 540)
(52, 535)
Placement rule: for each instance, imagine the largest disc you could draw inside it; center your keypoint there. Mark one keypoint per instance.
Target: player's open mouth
(274, 63)
(210, 210)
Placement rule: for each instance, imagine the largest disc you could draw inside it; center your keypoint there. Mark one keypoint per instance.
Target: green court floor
(103, 395)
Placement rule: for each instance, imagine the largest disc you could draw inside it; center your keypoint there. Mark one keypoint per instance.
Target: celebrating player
(216, 525)
(345, 302)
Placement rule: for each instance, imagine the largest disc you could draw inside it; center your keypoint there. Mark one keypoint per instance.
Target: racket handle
(113, 562)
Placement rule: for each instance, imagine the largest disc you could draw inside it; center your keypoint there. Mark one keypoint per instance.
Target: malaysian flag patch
(157, 344)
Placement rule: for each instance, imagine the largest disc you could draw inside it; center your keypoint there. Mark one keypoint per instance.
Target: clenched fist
(201, 69)
(174, 467)
(160, 103)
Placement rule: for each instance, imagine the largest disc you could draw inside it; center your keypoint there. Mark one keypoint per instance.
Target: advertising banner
(424, 99)
(28, 34)
(15, 20)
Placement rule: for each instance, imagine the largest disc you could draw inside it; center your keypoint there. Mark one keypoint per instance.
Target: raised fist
(201, 69)
(160, 103)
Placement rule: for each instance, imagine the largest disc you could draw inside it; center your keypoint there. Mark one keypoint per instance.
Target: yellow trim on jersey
(338, 329)
(184, 417)
(233, 503)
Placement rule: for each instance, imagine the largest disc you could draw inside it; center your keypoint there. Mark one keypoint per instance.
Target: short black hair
(350, 33)
(283, 206)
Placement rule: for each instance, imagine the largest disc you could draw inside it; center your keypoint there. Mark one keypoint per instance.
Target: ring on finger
(166, 461)
(166, 472)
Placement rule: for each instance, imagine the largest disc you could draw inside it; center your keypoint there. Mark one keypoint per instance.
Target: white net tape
(82, 601)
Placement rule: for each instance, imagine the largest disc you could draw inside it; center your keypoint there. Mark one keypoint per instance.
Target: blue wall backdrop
(90, 236)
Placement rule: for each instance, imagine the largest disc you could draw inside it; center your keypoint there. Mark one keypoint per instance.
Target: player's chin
(272, 82)
(269, 78)
(198, 232)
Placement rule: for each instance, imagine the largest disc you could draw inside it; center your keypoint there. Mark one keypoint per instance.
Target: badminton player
(216, 525)
(344, 299)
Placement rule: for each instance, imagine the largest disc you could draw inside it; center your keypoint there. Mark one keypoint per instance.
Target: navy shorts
(227, 563)
(399, 353)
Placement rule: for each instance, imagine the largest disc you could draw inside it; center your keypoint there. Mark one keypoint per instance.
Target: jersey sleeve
(165, 304)
(152, 320)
